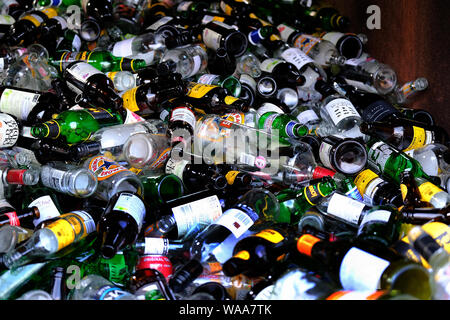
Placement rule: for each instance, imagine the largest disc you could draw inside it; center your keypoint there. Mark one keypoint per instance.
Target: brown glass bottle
(93, 85)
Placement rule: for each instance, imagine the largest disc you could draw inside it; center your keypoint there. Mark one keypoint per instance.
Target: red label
(15, 176)
(13, 219)
(320, 172)
(157, 262)
(107, 166)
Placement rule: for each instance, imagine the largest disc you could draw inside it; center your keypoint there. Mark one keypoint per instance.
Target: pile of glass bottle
(212, 150)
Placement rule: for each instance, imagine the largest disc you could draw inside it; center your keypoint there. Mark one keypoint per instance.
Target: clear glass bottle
(189, 59)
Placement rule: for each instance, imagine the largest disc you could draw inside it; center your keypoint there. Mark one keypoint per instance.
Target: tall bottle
(437, 257)
(95, 287)
(120, 222)
(363, 266)
(73, 126)
(68, 229)
(190, 59)
(25, 30)
(27, 105)
(92, 84)
(101, 60)
(256, 255)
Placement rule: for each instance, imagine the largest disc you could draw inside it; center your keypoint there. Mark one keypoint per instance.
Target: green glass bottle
(162, 188)
(392, 162)
(293, 204)
(288, 127)
(101, 60)
(61, 4)
(74, 126)
(230, 83)
(326, 18)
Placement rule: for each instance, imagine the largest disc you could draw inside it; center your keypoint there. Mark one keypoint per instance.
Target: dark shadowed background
(414, 40)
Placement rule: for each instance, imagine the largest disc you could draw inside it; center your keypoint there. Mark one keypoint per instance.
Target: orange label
(63, 231)
(244, 255)
(306, 243)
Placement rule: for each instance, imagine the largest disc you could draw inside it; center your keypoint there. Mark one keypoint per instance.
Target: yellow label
(244, 255)
(63, 231)
(428, 190)
(363, 179)
(220, 19)
(270, 235)
(50, 12)
(129, 100)
(199, 90)
(231, 176)
(230, 99)
(112, 75)
(419, 139)
(440, 232)
(35, 21)
(404, 191)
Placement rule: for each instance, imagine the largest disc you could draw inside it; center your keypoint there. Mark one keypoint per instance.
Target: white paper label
(378, 215)
(47, 209)
(268, 107)
(345, 208)
(361, 86)
(211, 38)
(361, 271)
(160, 23)
(2, 64)
(307, 116)
(297, 57)
(52, 178)
(324, 154)
(18, 103)
(183, 114)
(157, 246)
(236, 221)
(207, 78)
(333, 37)
(123, 48)
(132, 205)
(371, 189)
(268, 64)
(81, 72)
(88, 222)
(9, 131)
(197, 65)
(340, 109)
(285, 31)
(379, 154)
(203, 211)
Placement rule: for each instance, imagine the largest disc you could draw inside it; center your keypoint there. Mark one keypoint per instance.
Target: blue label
(255, 37)
(354, 193)
(249, 211)
(290, 129)
(111, 293)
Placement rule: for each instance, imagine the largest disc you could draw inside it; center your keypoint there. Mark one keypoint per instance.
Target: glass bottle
(190, 59)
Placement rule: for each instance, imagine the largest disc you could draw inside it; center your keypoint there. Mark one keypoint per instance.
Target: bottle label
(268, 107)
(333, 37)
(357, 295)
(211, 38)
(361, 85)
(379, 154)
(230, 100)
(363, 179)
(34, 18)
(361, 271)
(53, 178)
(268, 64)
(313, 194)
(420, 139)
(104, 167)
(13, 219)
(231, 176)
(307, 116)
(285, 31)
(184, 6)
(354, 193)
(160, 160)
(324, 154)
(71, 227)
(340, 109)
(18, 103)
(110, 292)
(183, 114)
(428, 190)
(207, 78)
(81, 72)
(131, 204)
(203, 211)
(123, 48)
(306, 43)
(297, 57)
(176, 167)
(199, 90)
(62, 22)
(47, 209)
(9, 131)
(372, 189)
(129, 100)
(159, 23)
(345, 208)
(267, 126)
(159, 246)
(237, 221)
(270, 235)
(376, 216)
(157, 262)
(132, 117)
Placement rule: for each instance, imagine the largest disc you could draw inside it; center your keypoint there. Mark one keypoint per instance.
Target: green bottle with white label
(281, 124)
